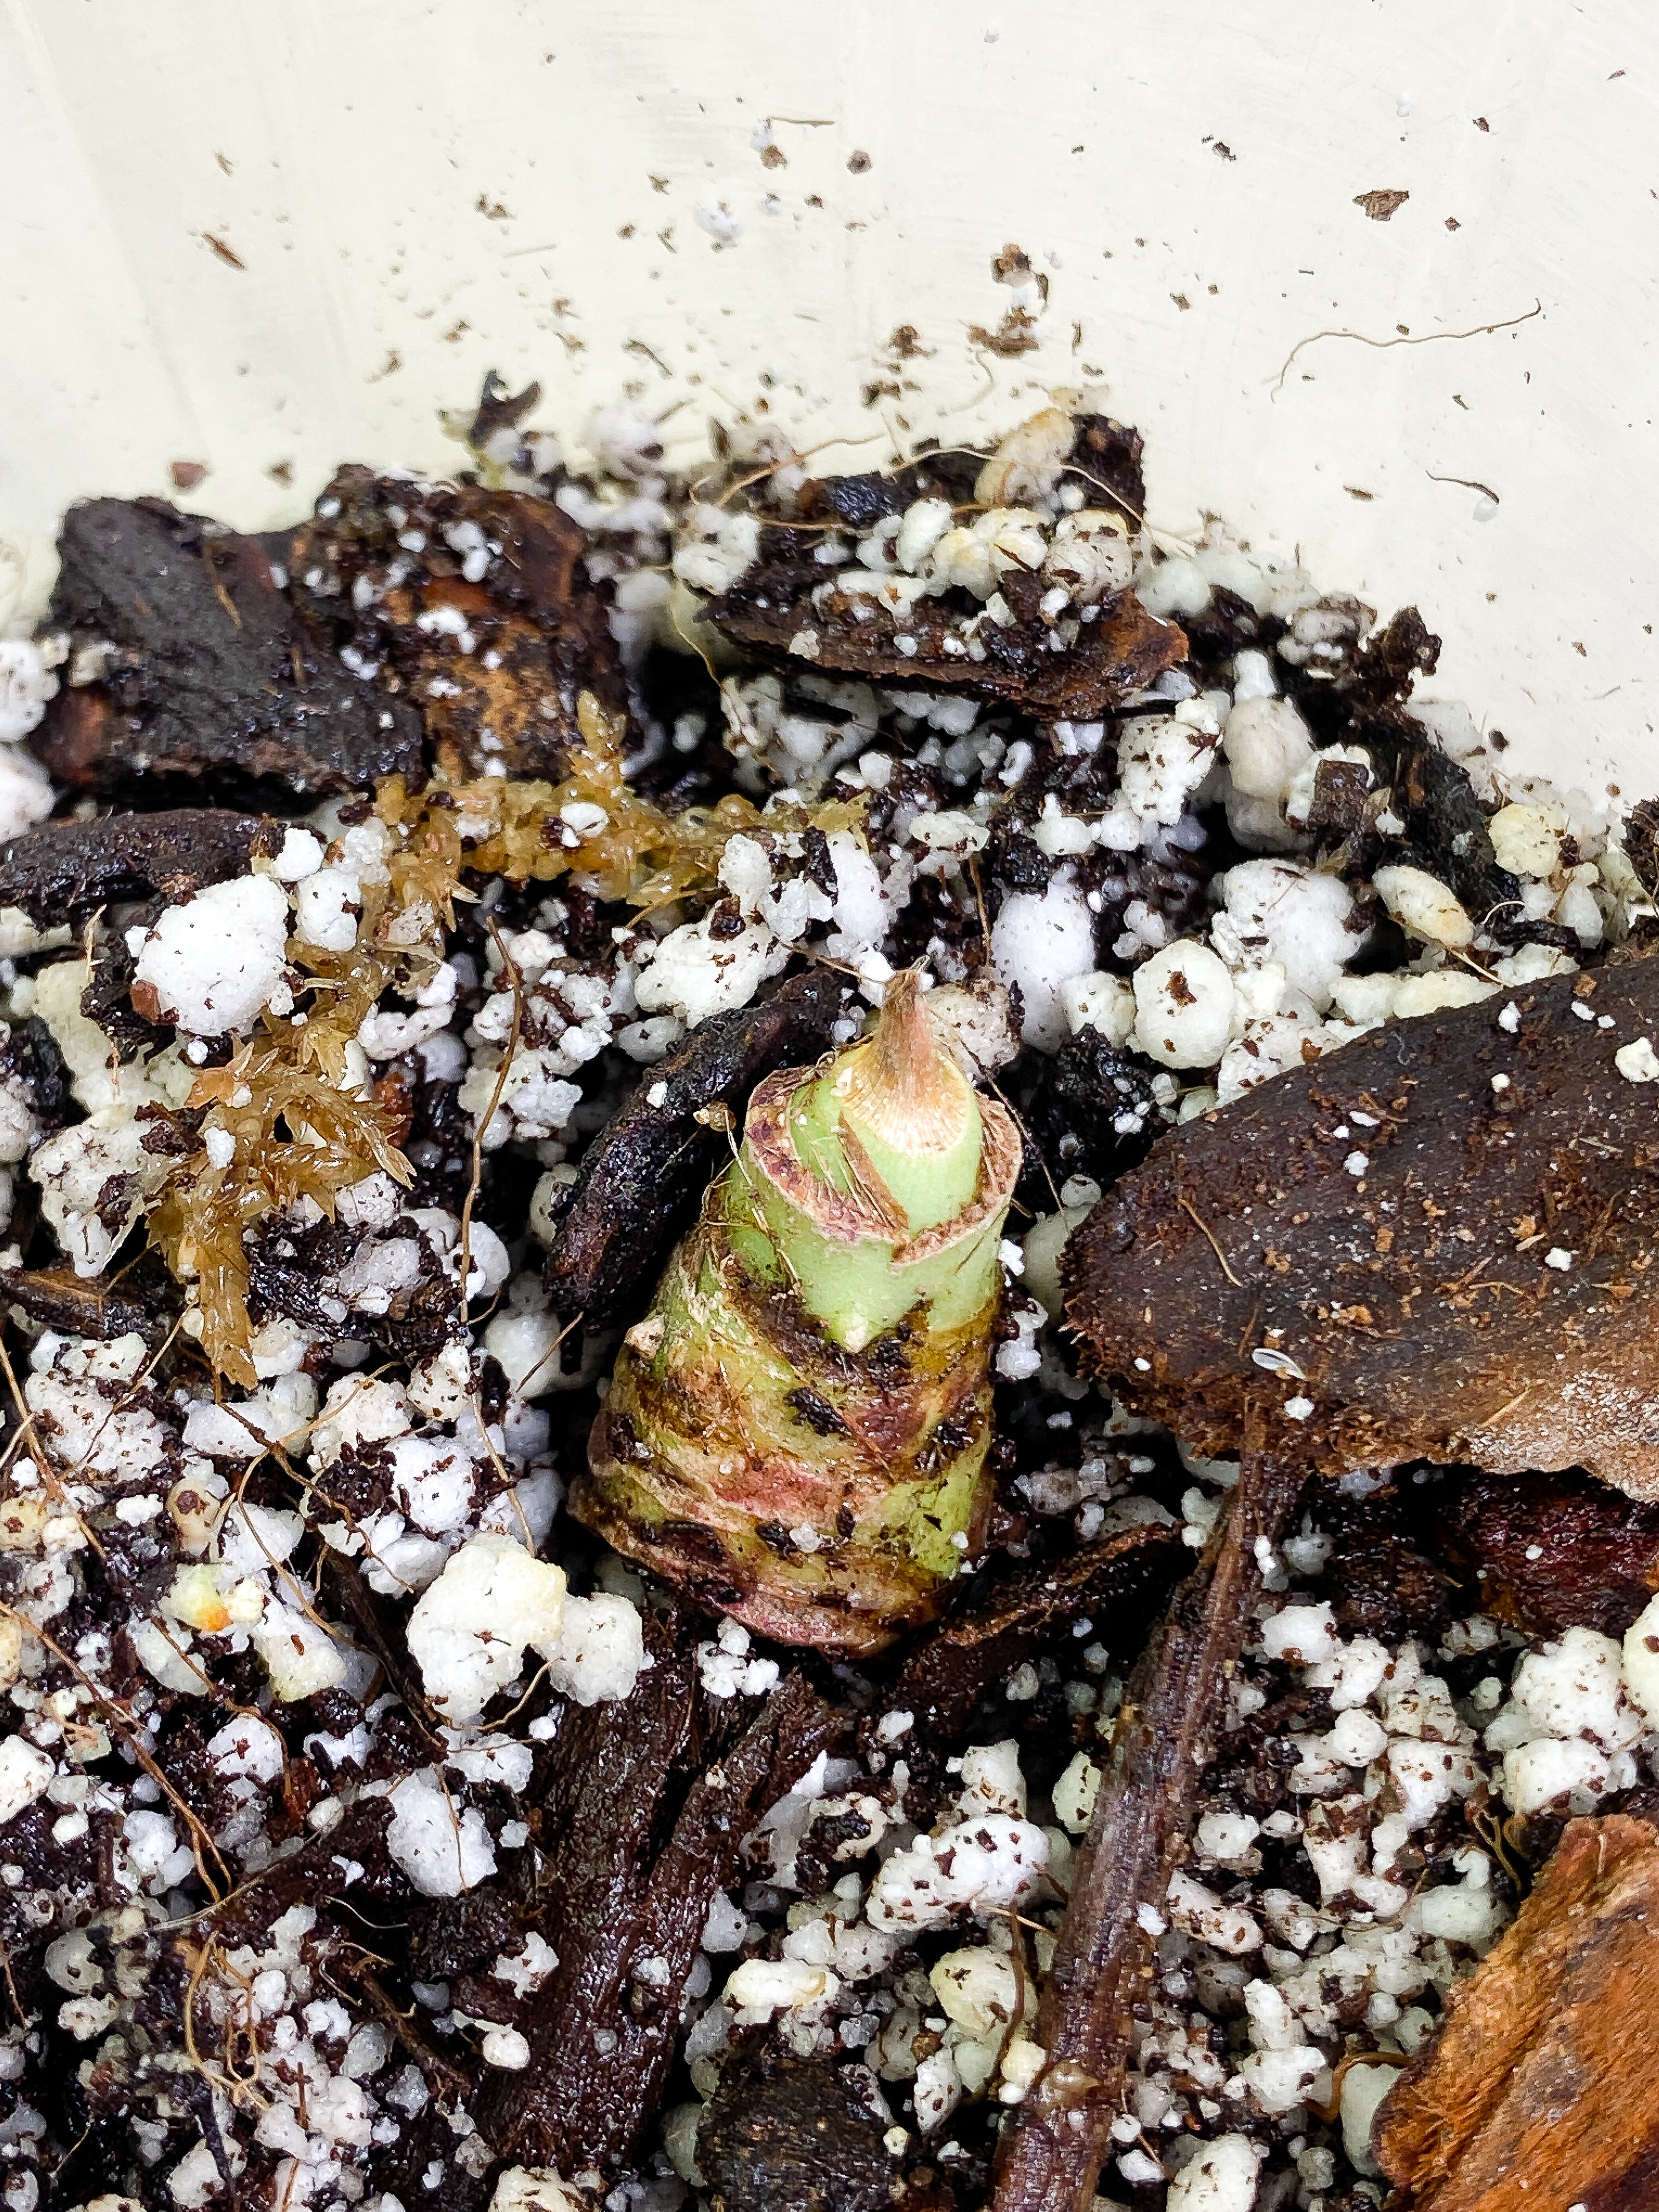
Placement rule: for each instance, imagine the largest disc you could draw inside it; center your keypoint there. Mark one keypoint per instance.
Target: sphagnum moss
(798, 1430)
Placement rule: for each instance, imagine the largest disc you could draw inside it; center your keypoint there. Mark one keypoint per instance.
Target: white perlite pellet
(25, 1774)
(1265, 742)
(1423, 906)
(1221, 2178)
(1040, 941)
(214, 961)
(1637, 1062)
(1184, 1006)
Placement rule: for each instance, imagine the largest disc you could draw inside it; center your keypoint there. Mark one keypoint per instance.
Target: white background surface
(421, 190)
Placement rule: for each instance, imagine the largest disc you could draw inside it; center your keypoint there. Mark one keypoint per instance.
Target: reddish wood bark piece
(646, 1806)
(1116, 1582)
(1549, 1551)
(644, 1176)
(1438, 1243)
(1540, 2088)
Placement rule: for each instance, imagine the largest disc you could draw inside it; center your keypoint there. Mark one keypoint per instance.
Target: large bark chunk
(1440, 1241)
(211, 680)
(474, 603)
(1540, 2087)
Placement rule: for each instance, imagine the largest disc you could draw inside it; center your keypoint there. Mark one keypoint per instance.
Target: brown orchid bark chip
(1549, 1551)
(62, 871)
(772, 610)
(497, 648)
(643, 1176)
(1540, 2088)
(1437, 1243)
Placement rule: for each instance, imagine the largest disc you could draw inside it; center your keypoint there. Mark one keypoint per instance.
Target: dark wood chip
(1549, 1551)
(31, 1055)
(539, 630)
(213, 683)
(1446, 833)
(82, 1305)
(794, 2135)
(1093, 1110)
(645, 1810)
(1383, 1569)
(376, 1622)
(500, 410)
(643, 1177)
(1118, 1582)
(1393, 659)
(458, 1935)
(303, 1877)
(1360, 698)
(860, 502)
(61, 871)
(1105, 466)
(1123, 650)
(1418, 1302)
(1341, 790)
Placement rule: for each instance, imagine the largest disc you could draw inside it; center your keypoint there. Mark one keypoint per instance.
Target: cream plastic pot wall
(265, 239)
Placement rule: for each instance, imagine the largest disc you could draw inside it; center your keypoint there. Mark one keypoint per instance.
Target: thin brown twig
(1425, 337)
(1474, 965)
(217, 582)
(28, 2018)
(1208, 1235)
(784, 461)
(1491, 1421)
(53, 1479)
(1021, 1986)
(1468, 484)
(1164, 1739)
(979, 901)
(231, 2085)
(490, 1728)
(1015, 1117)
(523, 1387)
(1329, 2113)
